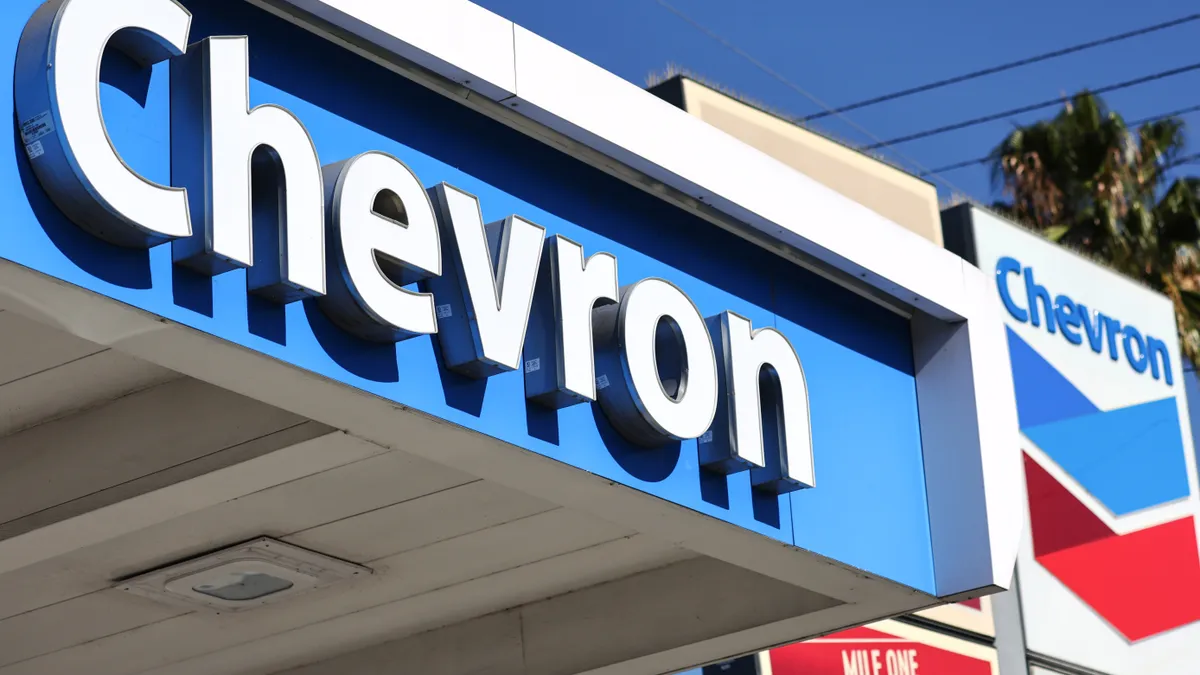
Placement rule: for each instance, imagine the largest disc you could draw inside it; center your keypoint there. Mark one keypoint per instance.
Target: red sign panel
(865, 651)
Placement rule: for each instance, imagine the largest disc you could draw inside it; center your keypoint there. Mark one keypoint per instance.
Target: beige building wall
(891, 192)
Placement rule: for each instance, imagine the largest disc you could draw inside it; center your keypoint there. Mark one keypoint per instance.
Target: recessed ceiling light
(242, 577)
(240, 585)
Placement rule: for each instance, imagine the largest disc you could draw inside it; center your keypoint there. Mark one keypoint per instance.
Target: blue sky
(843, 51)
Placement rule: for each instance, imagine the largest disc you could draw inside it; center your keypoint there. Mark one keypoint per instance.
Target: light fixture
(242, 577)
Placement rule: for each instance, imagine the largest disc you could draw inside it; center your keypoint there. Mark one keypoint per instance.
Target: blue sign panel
(868, 508)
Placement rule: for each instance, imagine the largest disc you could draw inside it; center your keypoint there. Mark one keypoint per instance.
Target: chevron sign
(1109, 572)
(1142, 580)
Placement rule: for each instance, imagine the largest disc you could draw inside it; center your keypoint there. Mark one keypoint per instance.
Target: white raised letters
(58, 109)
(569, 288)
(490, 289)
(760, 367)
(660, 358)
(383, 235)
(235, 150)
(251, 194)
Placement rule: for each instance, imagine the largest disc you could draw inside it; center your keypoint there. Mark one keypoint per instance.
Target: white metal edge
(581, 100)
(454, 38)
(999, 435)
(967, 415)
(995, 400)
(951, 452)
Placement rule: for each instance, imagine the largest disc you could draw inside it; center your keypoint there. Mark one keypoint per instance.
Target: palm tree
(1087, 181)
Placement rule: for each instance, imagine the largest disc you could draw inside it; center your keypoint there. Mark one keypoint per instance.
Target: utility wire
(736, 50)
(1155, 118)
(1135, 123)
(1186, 159)
(1029, 108)
(800, 90)
(958, 165)
(1003, 67)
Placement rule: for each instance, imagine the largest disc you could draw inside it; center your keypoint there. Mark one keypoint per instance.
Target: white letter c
(58, 106)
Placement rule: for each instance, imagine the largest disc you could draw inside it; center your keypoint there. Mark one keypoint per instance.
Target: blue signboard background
(869, 508)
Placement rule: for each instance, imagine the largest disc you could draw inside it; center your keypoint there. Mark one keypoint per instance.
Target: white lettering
(211, 116)
(850, 663)
(749, 358)
(252, 183)
(660, 352)
(493, 276)
(384, 236)
(58, 64)
(567, 295)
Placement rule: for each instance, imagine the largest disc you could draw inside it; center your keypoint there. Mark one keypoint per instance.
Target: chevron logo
(1105, 489)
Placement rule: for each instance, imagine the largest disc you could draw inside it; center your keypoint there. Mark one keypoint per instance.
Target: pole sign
(1109, 568)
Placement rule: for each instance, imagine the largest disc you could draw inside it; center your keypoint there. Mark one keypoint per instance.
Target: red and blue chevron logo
(1126, 462)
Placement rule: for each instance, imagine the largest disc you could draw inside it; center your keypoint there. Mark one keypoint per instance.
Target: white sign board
(1109, 572)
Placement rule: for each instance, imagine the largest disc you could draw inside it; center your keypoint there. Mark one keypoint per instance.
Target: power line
(1029, 108)
(800, 90)
(1003, 67)
(1155, 118)
(1134, 123)
(959, 165)
(1186, 159)
(736, 50)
